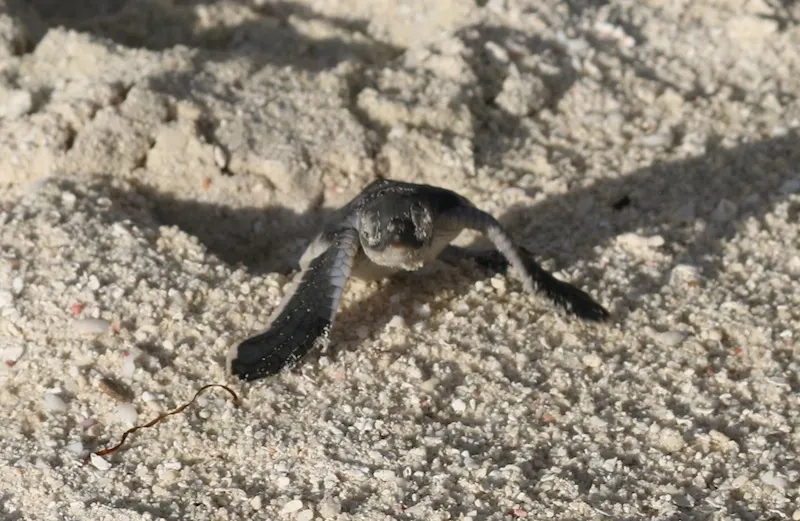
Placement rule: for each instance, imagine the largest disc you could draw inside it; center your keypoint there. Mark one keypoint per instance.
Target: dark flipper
(306, 317)
(534, 277)
(569, 297)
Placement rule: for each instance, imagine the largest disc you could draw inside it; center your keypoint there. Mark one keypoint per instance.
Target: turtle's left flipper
(535, 278)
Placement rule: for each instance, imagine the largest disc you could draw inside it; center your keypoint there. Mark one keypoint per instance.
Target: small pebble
(128, 366)
(68, 198)
(774, 479)
(127, 414)
(10, 355)
(458, 405)
(305, 515)
(91, 326)
(636, 242)
(98, 462)
(670, 441)
(384, 475)
(329, 508)
(397, 322)
(255, 503)
(429, 385)
(220, 157)
(499, 284)
(657, 140)
(522, 94)
(684, 274)
(720, 442)
(15, 103)
(422, 310)
(94, 283)
(683, 500)
(725, 211)
(669, 338)
(173, 465)
(6, 299)
(17, 285)
(461, 308)
(739, 482)
(54, 403)
(168, 476)
(283, 482)
(292, 506)
(796, 515)
(357, 474)
(592, 361)
(76, 308)
(364, 424)
(714, 334)
(497, 52)
(88, 423)
(75, 448)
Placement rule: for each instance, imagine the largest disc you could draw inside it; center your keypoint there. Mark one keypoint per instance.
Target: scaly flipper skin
(306, 317)
(535, 278)
(390, 226)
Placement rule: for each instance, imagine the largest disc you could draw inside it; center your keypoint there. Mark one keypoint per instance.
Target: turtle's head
(396, 231)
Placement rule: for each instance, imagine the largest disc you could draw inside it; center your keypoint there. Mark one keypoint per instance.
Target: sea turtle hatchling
(389, 227)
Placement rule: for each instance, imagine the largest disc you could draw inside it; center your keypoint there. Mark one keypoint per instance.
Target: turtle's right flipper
(306, 317)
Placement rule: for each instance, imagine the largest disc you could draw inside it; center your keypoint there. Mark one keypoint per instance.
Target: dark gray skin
(391, 226)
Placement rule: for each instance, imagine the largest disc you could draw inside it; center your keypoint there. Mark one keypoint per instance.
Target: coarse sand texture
(164, 163)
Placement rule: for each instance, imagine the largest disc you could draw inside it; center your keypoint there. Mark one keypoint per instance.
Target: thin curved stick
(162, 417)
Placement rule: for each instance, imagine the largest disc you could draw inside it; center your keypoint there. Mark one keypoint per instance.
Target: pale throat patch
(402, 257)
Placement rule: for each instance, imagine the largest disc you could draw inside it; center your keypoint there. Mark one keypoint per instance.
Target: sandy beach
(164, 163)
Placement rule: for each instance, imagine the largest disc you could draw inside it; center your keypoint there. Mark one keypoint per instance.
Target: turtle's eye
(374, 232)
(371, 232)
(422, 223)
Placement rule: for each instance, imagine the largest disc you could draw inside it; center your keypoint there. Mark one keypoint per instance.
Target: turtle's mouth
(404, 235)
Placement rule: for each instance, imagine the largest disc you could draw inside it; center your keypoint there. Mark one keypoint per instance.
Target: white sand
(163, 164)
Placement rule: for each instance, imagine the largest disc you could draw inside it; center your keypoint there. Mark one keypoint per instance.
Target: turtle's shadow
(676, 200)
(694, 204)
(260, 239)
